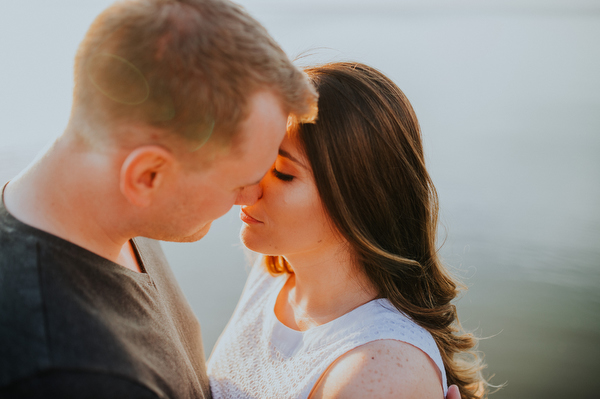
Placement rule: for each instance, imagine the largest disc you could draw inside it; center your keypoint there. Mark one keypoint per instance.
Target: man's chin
(193, 237)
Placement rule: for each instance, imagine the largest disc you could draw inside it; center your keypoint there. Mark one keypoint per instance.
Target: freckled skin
(381, 369)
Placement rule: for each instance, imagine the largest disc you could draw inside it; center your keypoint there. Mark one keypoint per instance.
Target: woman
(350, 299)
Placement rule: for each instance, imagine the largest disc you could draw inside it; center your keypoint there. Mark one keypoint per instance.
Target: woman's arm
(381, 369)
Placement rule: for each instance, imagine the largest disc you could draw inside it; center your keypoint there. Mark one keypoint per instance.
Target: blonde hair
(185, 66)
(366, 154)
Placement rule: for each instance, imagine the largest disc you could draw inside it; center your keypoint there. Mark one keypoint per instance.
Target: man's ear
(143, 173)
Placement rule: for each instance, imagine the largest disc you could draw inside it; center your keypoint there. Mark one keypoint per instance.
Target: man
(178, 111)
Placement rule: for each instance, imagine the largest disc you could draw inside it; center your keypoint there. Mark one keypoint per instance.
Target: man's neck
(71, 194)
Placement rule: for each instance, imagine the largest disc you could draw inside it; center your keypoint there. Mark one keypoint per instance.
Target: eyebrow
(289, 156)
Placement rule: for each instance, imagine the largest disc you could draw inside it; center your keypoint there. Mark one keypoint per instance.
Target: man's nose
(249, 195)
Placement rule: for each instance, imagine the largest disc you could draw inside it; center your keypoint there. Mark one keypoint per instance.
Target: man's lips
(246, 218)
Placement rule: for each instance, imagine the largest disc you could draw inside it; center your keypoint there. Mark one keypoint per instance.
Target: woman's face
(289, 218)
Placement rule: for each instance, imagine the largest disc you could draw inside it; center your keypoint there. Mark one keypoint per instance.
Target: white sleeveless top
(259, 357)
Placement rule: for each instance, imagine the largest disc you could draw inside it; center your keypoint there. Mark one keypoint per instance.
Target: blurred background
(508, 96)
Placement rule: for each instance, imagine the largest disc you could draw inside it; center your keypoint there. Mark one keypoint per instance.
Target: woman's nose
(249, 195)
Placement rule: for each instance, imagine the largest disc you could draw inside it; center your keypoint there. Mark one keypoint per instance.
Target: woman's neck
(322, 289)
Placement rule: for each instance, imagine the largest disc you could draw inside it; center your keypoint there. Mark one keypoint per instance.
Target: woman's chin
(250, 241)
(257, 244)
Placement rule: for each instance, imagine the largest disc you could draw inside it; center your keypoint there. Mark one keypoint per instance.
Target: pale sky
(549, 5)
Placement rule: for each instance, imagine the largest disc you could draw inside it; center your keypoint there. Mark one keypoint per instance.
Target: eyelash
(282, 176)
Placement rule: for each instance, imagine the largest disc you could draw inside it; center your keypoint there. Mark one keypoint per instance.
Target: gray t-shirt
(76, 325)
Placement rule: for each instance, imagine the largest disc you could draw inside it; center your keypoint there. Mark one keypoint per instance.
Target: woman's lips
(246, 218)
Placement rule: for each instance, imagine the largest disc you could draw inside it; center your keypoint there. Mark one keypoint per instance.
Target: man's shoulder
(52, 310)
(23, 345)
(64, 308)
(16, 245)
(77, 384)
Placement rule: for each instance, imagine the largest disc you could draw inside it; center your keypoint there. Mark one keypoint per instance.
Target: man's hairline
(178, 145)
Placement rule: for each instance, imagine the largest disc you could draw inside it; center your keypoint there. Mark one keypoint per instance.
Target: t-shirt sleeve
(73, 384)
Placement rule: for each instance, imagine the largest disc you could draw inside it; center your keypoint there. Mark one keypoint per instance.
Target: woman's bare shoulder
(381, 369)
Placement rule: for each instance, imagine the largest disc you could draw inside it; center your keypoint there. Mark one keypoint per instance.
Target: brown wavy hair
(367, 159)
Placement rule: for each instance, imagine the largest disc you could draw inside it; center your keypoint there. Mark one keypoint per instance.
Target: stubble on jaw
(197, 236)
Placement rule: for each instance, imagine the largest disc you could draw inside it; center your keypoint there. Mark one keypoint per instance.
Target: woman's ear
(143, 173)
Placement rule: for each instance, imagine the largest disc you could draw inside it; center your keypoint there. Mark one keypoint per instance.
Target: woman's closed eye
(282, 176)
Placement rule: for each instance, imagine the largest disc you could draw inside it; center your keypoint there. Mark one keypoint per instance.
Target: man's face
(199, 197)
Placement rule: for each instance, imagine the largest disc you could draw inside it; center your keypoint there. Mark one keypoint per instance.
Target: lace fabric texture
(259, 357)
